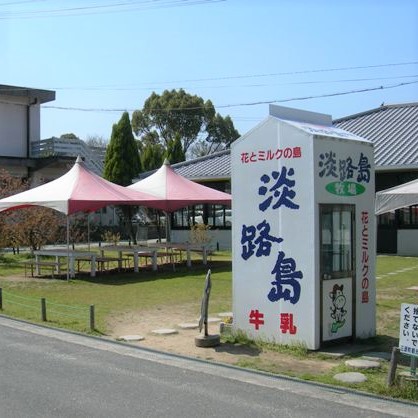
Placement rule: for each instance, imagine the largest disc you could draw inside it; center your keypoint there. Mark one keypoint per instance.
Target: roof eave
(208, 178)
(35, 96)
(388, 168)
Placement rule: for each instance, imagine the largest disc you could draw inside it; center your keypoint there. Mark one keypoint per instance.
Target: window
(387, 219)
(337, 240)
(180, 218)
(216, 216)
(408, 216)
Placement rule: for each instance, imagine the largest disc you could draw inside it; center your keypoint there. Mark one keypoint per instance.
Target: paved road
(48, 373)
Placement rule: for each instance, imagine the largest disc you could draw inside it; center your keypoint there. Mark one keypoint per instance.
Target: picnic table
(133, 250)
(70, 255)
(184, 246)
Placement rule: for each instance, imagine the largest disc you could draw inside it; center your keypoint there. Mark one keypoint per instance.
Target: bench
(172, 256)
(55, 266)
(143, 254)
(198, 250)
(102, 262)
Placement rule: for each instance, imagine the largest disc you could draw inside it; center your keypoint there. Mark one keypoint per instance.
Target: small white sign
(408, 333)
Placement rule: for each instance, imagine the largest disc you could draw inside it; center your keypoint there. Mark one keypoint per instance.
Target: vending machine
(303, 234)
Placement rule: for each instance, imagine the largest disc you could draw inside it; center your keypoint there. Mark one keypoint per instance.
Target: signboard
(282, 173)
(273, 276)
(345, 176)
(408, 334)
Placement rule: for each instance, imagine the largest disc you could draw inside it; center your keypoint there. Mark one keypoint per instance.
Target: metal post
(413, 366)
(43, 309)
(1, 299)
(92, 327)
(393, 365)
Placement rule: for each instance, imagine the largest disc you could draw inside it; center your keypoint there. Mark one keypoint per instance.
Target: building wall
(35, 123)
(14, 126)
(408, 242)
(13, 133)
(218, 238)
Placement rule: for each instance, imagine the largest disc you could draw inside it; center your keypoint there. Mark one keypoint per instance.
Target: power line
(306, 71)
(290, 83)
(14, 3)
(115, 6)
(321, 70)
(320, 96)
(241, 104)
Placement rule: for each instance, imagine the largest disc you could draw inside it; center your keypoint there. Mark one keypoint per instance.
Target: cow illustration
(338, 312)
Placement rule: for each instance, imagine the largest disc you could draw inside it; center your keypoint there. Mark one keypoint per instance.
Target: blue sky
(234, 52)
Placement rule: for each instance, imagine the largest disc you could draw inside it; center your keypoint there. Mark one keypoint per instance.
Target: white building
(20, 128)
(22, 152)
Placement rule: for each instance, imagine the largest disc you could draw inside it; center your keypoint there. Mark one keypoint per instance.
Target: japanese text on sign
(257, 240)
(408, 334)
(256, 318)
(270, 154)
(281, 190)
(277, 190)
(286, 285)
(344, 169)
(365, 257)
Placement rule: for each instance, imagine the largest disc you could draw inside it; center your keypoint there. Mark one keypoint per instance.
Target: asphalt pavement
(52, 373)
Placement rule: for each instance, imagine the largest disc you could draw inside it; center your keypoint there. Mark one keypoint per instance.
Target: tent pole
(168, 237)
(68, 248)
(167, 228)
(88, 230)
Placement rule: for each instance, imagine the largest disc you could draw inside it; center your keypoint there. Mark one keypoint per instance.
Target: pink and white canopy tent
(76, 191)
(175, 191)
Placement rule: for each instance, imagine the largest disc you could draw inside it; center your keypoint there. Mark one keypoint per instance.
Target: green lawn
(394, 289)
(123, 292)
(68, 302)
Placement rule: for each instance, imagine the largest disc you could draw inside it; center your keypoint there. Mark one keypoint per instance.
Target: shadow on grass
(238, 349)
(164, 272)
(381, 342)
(385, 343)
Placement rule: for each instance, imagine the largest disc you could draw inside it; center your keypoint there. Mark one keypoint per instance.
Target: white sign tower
(303, 231)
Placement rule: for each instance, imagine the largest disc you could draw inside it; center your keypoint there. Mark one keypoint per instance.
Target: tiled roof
(393, 129)
(215, 166)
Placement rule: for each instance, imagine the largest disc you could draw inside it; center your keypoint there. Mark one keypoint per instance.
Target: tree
(96, 141)
(38, 226)
(221, 133)
(177, 113)
(151, 152)
(174, 152)
(33, 227)
(122, 164)
(69, 136)
(152, 157)
(8, 186)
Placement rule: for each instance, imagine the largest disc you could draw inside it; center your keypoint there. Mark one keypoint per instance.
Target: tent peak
(79, 159)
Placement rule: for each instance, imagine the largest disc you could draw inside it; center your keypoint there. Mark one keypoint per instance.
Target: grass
(121, 293)
(111, 294)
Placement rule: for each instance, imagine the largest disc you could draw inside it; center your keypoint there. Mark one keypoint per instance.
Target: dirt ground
(183, 342)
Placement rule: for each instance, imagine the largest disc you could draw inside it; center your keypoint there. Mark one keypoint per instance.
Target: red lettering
(256, 318)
